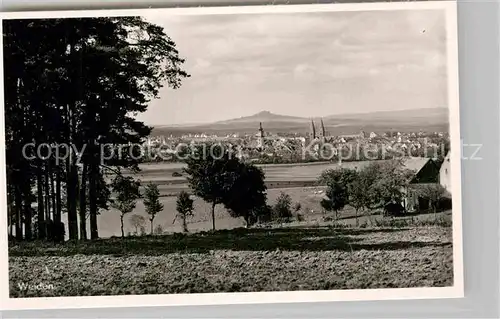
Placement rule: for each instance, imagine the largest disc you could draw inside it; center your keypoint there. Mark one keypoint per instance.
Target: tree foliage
(247, 193)
(282, 209)
(336, 197)
(137, 221)
(434, 193)
(210, 174)
(388, 182)
(127, 193)
(184, 208)
(343, 176)
(337, 194)
(217, 176)
(152, 202)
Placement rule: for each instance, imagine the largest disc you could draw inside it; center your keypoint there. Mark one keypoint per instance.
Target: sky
(303, 64)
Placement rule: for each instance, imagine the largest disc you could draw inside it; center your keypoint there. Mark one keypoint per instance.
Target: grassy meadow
(298, 258)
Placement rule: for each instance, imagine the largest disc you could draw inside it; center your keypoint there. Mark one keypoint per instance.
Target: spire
(323, 133)
(313, 130)
(261, 130)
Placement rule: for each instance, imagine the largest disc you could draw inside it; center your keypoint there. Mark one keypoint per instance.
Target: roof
(411, 163)
(415, 163)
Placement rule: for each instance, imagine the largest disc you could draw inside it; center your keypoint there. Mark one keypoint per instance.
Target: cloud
(202, 63)
(303, 72)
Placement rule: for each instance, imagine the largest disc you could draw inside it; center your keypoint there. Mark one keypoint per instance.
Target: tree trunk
(10, 213)
(18, 207)
(356, 214)
(184, 224)
(213, 216)
(28, 232)
(58, 206)
(11, 228)
(47, 195)
(71, 179)
(52, 194)
(94, 171)
(121, 223)
(40, 209)
(83, 203)
(151, 225)
(71, 199)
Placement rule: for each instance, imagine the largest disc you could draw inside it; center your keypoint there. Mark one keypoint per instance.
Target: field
(310, 258)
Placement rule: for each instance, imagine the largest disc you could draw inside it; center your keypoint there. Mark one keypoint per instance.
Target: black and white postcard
(228, 155)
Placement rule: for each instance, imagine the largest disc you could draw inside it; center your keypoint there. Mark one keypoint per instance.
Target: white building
(445, 173)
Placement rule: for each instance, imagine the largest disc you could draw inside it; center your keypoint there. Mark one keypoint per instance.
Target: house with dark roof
(426, 172)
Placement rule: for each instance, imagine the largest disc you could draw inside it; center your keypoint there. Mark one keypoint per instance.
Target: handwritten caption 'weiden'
(41, 286)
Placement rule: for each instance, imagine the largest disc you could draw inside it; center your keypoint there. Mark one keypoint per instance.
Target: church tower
(323, 132)
(260, 136)
(313, 130)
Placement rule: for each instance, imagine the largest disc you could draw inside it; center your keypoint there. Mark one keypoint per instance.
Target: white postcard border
(456, 291)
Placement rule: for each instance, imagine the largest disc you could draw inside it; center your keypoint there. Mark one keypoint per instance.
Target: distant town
(265, 146)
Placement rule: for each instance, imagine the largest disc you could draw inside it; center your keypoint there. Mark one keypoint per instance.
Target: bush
(396, 223)
(282, 208)
(339, 226)
(297, 207)
(328, 218)
(158, 230)
(363, 224)
(411, 222)
(179, 236)
(264, 214)
(394, 209)
(56, 231)
(444, 203)
(176, 174)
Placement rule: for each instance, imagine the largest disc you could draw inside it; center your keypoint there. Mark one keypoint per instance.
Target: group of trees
(127, 193)
(72, 88)
(377, 185)
(218, 177)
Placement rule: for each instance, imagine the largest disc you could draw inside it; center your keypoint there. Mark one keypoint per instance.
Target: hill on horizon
(426, 119)
(264, 116)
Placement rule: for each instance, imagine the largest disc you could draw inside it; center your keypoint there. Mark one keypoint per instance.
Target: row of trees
(376, 186)
(72, 88)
